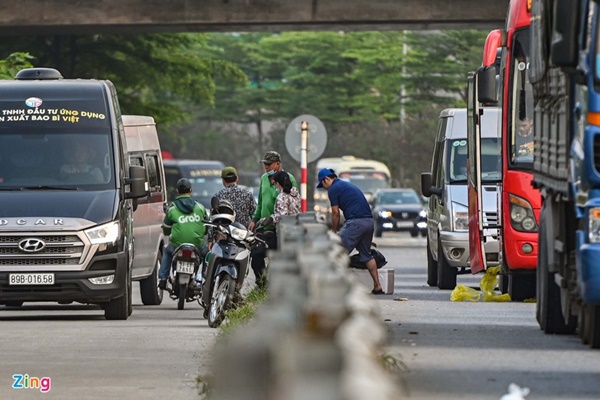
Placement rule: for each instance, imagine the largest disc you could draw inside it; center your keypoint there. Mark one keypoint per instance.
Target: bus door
(476, 245)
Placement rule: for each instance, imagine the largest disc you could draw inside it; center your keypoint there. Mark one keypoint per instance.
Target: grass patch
(244, 312)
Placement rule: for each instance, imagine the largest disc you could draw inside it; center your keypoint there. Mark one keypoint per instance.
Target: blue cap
(324, 173)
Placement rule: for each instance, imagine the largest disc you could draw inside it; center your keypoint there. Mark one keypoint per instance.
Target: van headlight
(522, 217)
(460, 217)
(104, 234)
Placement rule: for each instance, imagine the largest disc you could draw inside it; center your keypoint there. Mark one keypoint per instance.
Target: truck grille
(490, 219)
(60, 249)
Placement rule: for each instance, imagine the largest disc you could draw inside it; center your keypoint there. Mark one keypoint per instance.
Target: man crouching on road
(357, 232)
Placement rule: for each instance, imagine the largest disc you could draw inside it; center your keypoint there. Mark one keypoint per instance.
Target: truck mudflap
(588, 270)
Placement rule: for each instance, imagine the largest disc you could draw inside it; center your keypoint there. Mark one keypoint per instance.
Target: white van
(143, 149)
(446, 187)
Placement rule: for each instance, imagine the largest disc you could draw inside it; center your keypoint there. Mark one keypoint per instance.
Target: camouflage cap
(271, 157)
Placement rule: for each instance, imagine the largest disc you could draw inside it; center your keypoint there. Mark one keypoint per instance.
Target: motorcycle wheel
(181, 296)
(221, 300)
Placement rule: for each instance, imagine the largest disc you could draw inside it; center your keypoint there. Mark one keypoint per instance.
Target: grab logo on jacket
(189, 218)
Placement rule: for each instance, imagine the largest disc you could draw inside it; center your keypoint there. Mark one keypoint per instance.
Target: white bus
(367, 175)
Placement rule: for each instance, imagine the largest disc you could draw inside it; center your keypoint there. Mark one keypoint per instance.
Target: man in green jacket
(183, 223)
(267, 194)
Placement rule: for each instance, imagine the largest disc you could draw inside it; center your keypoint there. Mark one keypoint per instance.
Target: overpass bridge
(29, 17)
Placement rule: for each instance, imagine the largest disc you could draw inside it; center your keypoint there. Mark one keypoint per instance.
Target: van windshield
(490, 160)
(56, 159)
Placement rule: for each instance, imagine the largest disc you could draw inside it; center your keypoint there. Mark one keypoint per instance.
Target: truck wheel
(548, 304)
(592, 325)
(446, 274)
(119, 308)
(521, 286)
(149, 291)
(432, 276)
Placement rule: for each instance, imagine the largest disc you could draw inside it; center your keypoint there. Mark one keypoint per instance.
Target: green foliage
(379, 94)
(163, 75)
(13, 64)
(230, 96)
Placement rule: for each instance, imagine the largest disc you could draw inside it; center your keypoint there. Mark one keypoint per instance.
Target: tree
(160, 75)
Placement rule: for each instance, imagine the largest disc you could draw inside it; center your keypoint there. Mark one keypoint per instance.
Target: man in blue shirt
(357, 232)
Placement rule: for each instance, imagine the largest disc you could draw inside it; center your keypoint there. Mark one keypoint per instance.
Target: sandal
(380, 291)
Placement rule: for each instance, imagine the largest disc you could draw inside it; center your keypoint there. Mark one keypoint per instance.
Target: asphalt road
(443, 349)
(156, 354)
(461, 350)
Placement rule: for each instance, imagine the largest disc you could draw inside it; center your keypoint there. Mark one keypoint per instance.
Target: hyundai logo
(32, 245)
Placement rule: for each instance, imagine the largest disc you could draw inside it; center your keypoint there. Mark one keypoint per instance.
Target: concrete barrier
(318, 336)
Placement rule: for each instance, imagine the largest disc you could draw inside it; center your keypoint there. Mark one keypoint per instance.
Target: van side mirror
(137, 182)
(426, 189)
(486, 85)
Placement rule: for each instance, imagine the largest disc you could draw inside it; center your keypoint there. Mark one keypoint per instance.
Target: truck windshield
(56, 159)
(490, 161)
(521, 104)
(367, 182)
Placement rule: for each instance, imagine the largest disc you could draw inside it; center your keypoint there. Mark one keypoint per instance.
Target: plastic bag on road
(465, 293)
(515, 392)
(488, 284)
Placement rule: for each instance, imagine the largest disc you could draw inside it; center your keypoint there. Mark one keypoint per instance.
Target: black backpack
(379, 260)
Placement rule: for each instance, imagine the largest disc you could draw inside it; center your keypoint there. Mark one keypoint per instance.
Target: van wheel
(149, 291)
(446, 274)
(431, 267)
(120, 308)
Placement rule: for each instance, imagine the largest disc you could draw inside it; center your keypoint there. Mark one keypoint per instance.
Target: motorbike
(184, 268)
(227, 262)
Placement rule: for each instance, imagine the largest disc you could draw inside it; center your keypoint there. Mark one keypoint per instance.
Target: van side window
(438, 154)
(153, 176)
(136, 160)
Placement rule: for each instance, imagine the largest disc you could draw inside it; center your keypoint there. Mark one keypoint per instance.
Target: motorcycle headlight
(522, 217)
(104, 234)
(237, 233)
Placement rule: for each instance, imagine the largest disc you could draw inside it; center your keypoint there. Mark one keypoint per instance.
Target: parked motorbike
(226, 263)
(182, 279)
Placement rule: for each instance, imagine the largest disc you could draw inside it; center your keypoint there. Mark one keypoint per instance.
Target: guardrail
(318, 336)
